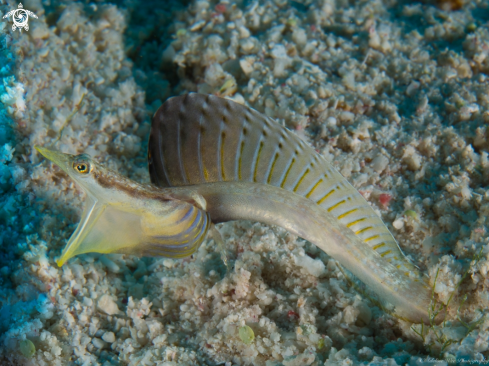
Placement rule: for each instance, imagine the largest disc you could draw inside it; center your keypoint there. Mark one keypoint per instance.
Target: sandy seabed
(394, 93)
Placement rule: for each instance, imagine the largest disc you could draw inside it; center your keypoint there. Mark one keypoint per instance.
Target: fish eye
(82, 167)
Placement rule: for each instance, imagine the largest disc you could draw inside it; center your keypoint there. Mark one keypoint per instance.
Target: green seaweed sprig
(70, 117)
(436, 308)
(67, 121)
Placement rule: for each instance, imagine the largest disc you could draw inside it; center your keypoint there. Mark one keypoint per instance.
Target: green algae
(246, 334)
(27, 348)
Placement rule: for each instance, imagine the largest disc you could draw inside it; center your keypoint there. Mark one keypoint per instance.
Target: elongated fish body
(122, 216)
(200, 140)
(213, 159)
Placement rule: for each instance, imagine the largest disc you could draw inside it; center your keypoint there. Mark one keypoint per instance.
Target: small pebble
(108, 337)
(197, 25)
(97, 342)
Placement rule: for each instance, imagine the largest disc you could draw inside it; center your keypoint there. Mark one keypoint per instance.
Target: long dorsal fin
(199, 138)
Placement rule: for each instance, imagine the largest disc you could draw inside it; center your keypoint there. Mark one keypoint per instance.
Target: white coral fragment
(107, 304)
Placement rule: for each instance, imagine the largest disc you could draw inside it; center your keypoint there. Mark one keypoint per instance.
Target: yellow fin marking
(355, 222)
(257, 160)
(273, 166)
(385, 253)
(335, 206)
(378, 246)
(313, 188)
(347, 213)
(327, 195)
(287, 173)
(239, 161)
(363, 230)
(300, 180)
(206, 174)
(371, 238)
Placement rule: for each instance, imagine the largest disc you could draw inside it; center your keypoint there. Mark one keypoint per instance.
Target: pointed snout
(60, 159)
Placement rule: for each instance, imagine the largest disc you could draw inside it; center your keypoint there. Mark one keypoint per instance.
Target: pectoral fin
(103, 229)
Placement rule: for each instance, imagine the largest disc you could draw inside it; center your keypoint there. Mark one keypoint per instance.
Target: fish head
(94, 230)
(84, 170)
(79, 167)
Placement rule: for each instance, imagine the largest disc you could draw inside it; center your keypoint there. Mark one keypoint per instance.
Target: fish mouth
(78, 243)
(60, 159)
(83, 239)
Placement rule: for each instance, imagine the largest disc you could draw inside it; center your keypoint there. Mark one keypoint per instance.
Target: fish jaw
(90, 182)
(174, 232)
(62, 160)
(91, 213)
(65, 163)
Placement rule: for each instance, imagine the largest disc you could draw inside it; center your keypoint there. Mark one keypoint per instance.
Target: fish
(212, 160)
